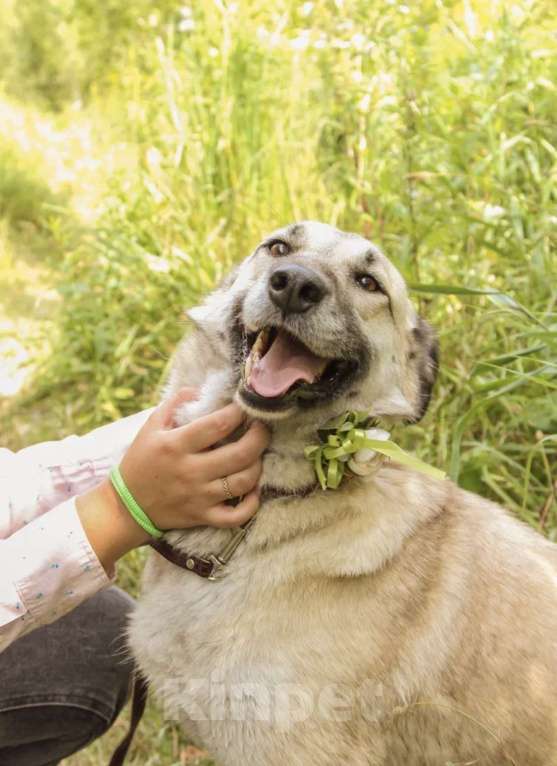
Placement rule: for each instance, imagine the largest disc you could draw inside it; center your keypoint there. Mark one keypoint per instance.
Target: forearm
(109, 527)
(46, 569)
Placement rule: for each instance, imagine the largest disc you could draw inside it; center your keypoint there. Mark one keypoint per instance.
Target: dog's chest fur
(300, 643)
(245, 642)
(255, 660)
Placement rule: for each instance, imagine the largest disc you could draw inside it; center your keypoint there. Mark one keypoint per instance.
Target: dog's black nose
(295, 289)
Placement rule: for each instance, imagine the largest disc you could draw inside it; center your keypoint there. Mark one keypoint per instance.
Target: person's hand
(176, 476)
(177, 479)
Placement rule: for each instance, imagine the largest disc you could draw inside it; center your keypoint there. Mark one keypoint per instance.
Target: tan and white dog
(397, 621)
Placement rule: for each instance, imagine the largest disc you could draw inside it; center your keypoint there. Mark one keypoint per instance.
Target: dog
(395, 621)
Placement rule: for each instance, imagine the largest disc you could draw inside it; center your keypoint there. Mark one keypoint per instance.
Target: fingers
(240, 484)
(233, 516)
(163, 416)
(237, 456)
(209, 429)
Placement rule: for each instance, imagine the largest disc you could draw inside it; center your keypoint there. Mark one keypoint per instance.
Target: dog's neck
(285, 467)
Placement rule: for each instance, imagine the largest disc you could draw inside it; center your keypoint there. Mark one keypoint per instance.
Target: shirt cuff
(52, 566)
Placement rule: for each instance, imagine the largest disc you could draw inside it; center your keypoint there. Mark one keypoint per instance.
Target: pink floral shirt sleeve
(47, 566)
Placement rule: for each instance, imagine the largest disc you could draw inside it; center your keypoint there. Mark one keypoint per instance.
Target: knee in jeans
(40, 735)
(65, 683)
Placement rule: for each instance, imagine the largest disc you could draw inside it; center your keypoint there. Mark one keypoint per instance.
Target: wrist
(131, 504)
(110, 528)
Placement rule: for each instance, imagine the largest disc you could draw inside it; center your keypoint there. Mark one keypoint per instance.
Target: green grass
(144, 150)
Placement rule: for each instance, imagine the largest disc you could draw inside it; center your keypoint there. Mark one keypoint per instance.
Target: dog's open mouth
(279, 367)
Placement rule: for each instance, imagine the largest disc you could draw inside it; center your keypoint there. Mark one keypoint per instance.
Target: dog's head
(318, 318)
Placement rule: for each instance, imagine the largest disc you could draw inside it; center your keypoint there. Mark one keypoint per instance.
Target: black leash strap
(139, 699)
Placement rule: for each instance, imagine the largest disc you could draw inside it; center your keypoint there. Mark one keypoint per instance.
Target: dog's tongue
(286, 362)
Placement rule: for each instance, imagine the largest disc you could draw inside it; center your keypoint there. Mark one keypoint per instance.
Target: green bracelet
(132, 505)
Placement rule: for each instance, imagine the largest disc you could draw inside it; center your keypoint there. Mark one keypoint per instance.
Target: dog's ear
(208, 314)
(423, 361)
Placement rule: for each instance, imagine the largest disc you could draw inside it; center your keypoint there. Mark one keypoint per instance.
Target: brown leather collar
(275, 493)
(200, 566)
(209, 567)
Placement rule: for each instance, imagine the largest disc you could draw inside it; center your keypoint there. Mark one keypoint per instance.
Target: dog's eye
(367, 282)
(279, 248)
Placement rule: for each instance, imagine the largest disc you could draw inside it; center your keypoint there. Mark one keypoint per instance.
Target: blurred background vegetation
(146, 146)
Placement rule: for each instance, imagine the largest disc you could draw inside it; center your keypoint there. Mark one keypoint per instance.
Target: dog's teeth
(248, 367)
(259, 347)
(260, 342)
(322, 370)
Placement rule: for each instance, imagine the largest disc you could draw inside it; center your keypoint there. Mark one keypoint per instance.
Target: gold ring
(226, 487)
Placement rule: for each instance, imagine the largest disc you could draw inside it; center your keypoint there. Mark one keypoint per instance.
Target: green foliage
(23, 192)
(174, 137)
(61, 50)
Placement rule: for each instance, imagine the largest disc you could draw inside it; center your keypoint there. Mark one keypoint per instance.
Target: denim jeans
(63, 685)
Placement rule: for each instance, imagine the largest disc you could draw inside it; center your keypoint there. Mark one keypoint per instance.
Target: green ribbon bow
(342, 437)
